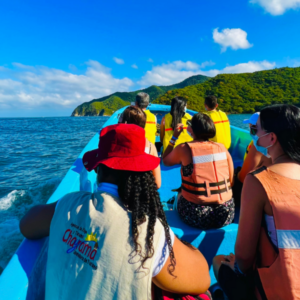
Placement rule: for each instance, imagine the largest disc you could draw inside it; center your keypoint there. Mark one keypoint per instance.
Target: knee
(217, 262)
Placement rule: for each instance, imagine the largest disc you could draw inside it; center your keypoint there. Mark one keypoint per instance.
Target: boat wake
(13, 206)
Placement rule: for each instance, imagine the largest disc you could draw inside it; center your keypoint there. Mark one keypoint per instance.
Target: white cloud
(28, 87)
(249, 67)
(134, 66)
(167, 74)
(119, 61)
(150, 60)
(234, 38)
(277, 7)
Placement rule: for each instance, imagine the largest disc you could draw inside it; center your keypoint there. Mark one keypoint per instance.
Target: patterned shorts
(206, 216)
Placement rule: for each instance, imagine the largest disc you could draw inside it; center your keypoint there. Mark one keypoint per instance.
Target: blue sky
(55, 55)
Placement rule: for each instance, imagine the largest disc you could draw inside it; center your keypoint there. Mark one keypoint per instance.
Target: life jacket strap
(204, 193)
(203, 185)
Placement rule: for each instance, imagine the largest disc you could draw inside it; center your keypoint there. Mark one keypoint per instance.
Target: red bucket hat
(121, 147)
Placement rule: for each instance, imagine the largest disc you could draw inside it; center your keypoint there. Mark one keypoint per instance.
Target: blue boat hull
(17, 280)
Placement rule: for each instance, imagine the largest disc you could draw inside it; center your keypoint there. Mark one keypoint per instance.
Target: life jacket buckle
(207, 188)
(226, 184)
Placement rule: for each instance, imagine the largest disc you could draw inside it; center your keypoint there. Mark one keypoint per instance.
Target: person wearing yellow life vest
(206, 199)
(142, 100)
(135, 115)
(177, 115)
(266, 264)
(220, 119)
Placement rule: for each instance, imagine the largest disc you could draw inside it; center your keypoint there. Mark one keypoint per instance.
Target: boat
(23, 278)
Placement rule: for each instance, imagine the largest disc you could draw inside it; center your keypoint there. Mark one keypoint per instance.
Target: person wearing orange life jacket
(220, 119)
(253, 160)
(266, 264)
(177, 115)
(142, 100)
(206, 199)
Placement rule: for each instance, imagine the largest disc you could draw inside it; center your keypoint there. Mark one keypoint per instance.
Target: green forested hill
(243, 93)
(103, 108)
(108, 104)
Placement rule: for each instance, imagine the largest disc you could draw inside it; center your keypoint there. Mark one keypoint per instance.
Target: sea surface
(35, 155)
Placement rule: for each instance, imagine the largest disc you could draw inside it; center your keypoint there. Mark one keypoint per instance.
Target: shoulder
(188, 116)
(75, 196)
(256, 172)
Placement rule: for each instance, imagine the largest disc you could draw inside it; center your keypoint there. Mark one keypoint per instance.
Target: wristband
(172, 145)
(174, 138)
(172, 142)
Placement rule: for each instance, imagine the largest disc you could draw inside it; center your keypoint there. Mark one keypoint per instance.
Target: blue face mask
(261, 149)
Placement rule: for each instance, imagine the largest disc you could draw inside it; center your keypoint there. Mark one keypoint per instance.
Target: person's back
(178, 115)
(142, 100)
(115, 243)
(86, 237)
(207, 173)
(220, 119)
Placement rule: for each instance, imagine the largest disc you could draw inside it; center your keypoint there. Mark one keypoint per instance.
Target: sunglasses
(253, 130)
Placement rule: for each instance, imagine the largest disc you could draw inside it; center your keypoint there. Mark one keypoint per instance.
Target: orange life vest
(209, 183)
(279, 271)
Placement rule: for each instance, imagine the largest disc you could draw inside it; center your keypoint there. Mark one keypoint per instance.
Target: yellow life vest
(222, 124)
(247, 150)
(150, 127)
(184, 136)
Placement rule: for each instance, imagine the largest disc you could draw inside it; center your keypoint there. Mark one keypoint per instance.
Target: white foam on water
(7, 201)
(13, 207)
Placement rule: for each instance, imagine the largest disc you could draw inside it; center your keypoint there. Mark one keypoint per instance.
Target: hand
(178, 130)
(229, 260)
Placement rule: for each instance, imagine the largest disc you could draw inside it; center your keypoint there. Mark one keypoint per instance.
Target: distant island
(237, 93)
(108, 104)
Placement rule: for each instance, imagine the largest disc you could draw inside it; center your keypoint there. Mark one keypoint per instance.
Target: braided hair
(138, 192)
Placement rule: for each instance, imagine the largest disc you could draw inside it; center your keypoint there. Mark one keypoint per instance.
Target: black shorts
(239, 287)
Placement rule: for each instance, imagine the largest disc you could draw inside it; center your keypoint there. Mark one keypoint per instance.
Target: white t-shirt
(162, 252)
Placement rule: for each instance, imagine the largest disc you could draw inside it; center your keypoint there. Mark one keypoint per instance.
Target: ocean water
(35, 154)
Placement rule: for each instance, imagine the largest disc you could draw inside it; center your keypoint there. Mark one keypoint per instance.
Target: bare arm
(252, 207)
(162, 129)
(172, 156)
(231, 167)
(156, 172)
(191, 271)
(36, 223)
(251, 163)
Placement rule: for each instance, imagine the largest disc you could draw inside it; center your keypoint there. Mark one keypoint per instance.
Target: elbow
(23, 228)
(165, 162)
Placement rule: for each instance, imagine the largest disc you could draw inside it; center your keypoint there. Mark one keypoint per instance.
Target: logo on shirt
(83, 245)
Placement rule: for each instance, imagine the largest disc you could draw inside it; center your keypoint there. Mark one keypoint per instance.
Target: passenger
(135, 115)
(142, 100)
(177, 115)
(220, 119)
(267, 250)
(253, 160)
(206, 200)
(115, 243)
